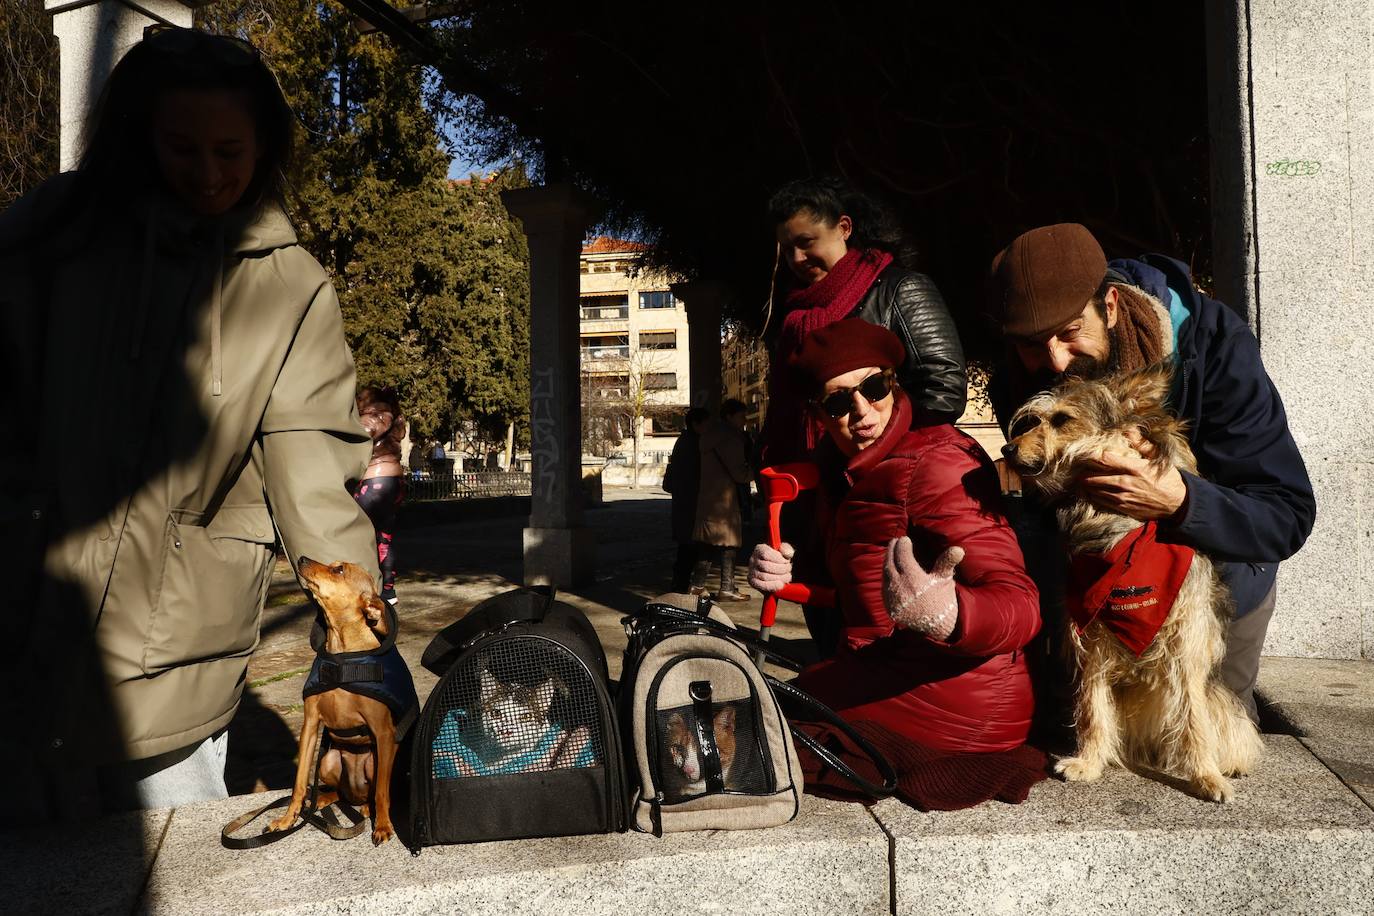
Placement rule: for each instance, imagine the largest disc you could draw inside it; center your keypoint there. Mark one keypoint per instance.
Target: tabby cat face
(514, 716)
(684, 752)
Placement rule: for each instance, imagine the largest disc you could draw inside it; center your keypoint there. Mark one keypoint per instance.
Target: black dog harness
(380, 674)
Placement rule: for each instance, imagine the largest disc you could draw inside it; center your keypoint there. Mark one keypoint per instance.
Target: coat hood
(265, 228)
(168, 227)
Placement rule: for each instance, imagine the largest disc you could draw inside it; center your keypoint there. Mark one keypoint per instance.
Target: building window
(657, 300)
(606, 308)
(606, 346)
(669, 424)
(658, 340)
(608, 386)
(660, 381)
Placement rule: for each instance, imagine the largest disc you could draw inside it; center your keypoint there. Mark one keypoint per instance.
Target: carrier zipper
(419, 800)
(417, 826)
(656, 813)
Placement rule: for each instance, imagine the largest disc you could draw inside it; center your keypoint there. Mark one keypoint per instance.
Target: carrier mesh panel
(517, 706)
(681, 772)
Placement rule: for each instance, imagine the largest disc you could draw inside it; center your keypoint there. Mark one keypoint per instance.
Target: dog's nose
(1009, 451)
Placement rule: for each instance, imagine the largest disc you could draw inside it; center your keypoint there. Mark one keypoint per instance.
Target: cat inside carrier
(710, 746)
(518, 738)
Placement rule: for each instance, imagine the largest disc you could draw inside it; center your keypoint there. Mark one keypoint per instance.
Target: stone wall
(1292, 101)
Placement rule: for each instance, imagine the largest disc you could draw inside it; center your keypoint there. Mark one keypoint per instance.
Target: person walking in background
(719, 528)
(418, 459)
(383, 487)
(682, 480)
(157, 299)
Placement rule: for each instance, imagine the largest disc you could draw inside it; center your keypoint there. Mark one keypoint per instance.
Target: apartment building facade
(634, 357)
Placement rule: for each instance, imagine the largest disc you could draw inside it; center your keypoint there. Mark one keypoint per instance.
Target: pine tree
(432, 275)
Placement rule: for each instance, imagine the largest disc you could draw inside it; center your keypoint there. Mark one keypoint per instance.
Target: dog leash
(328, 821)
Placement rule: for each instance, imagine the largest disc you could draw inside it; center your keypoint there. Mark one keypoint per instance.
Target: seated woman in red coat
(931, 584)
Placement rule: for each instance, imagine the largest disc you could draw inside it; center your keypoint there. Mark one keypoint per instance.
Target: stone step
(1294, 840)
(832, 858)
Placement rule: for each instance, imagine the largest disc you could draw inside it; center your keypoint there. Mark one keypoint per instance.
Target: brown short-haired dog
(356, 766)
(1145, 696)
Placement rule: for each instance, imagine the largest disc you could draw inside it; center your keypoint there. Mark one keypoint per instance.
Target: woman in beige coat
(157, 305)
(719, 528)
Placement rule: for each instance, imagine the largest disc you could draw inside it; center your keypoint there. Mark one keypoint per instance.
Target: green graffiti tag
(1293, 168)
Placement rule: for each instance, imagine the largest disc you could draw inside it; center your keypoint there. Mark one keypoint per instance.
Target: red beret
(845, 346)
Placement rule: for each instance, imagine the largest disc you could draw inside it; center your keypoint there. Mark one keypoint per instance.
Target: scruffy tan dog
(1146, 698)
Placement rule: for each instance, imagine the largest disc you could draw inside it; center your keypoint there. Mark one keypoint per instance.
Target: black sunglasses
(171, 39)
(874, 389)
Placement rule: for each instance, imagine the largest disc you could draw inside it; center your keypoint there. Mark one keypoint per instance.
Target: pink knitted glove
(918, 600)
(769, 569)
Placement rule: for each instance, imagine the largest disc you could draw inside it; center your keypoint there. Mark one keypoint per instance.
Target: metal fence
(423, 485)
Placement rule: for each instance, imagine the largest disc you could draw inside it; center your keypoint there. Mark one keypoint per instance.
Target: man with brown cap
(1064, 311)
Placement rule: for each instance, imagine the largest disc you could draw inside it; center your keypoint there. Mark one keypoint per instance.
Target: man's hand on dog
(1129, 485)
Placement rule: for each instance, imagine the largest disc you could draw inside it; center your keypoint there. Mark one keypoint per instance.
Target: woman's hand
(769, 569)
(918, 600)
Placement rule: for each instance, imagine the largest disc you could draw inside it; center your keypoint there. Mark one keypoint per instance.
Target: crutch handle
(782, 484)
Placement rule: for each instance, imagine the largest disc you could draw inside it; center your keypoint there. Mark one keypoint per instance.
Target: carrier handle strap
(673, 618)
(815, 706)
(700, 692)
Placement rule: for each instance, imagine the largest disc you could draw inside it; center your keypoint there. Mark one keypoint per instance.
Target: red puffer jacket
(972, 693)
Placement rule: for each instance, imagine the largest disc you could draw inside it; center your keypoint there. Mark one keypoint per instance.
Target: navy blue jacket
(1253, 505)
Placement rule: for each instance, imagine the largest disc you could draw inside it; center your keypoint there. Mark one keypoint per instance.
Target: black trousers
(682, 566)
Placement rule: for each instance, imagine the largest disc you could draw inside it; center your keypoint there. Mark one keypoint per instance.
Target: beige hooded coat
(724, 467)
(204, 372)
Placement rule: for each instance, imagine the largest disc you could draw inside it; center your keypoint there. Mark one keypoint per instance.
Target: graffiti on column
(543, 436)
(1292, 168)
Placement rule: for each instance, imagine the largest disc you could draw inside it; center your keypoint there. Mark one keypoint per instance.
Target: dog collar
(317, 639)
(1130, 589)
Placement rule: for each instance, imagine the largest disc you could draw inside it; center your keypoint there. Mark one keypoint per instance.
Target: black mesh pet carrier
(518, 738)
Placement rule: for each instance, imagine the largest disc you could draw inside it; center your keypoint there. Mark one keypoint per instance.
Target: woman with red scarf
(843, 255)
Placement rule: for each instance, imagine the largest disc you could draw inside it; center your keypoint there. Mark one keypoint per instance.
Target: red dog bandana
(1130, 589)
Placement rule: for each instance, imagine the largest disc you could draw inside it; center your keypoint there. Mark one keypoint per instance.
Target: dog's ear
(1144, 391)
(374, 610)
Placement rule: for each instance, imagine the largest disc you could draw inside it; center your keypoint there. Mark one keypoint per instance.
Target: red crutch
(782, 484)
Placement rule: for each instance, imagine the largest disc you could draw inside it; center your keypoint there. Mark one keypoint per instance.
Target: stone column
(1291, 89)
(91, 37)
(559, 549)
(704, 300)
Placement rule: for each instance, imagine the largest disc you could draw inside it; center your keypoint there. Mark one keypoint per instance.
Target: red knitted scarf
(789, 433)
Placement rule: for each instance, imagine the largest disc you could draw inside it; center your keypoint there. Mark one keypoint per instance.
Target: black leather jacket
(933, 376)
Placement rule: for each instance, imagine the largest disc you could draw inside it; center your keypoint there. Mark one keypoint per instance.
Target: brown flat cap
(845, 346)
(1044, 279)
